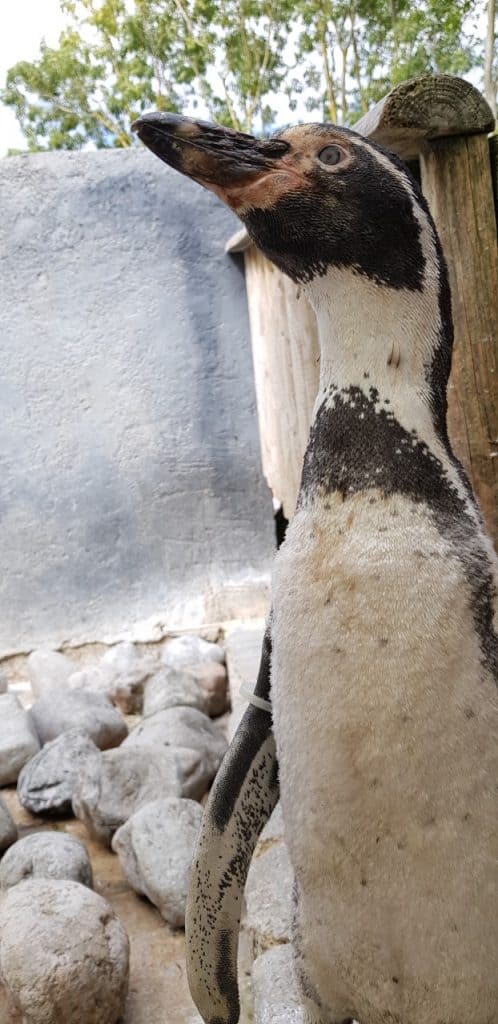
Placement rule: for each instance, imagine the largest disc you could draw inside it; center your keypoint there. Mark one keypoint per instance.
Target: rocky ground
(101, 788)
(158, 990)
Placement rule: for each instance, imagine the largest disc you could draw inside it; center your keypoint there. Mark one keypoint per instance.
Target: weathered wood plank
(285, 347)
(456, 179)
(493, 156)
(426, 108)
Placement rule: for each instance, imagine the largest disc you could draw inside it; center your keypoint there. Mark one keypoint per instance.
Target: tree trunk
(489, 80)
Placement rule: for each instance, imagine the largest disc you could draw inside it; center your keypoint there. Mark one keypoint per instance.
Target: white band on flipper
(259, 702)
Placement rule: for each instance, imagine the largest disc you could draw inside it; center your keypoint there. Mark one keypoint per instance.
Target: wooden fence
(442, 123)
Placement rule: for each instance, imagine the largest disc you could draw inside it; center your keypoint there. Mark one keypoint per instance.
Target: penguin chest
(386, 729)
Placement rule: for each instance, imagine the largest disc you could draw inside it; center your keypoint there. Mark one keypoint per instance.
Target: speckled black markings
(227, 979)
(255, 801)
(244, 794)
(356, 445)
(250, 736)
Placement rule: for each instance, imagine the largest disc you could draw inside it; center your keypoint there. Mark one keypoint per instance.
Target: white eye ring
(330, 155)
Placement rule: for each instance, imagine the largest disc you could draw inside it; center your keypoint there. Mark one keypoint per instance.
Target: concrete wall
(130, 479)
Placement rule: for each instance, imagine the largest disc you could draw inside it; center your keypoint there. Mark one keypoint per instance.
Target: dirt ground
(158, 992)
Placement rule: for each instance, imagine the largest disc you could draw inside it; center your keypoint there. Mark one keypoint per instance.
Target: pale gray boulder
(46, 855)
(188, 728)
(46, 783)
(120, 674)
(86, 710)
(97, 678)
(8, 829)
(276, 999)
(203, 686)
(273, 830)
(155, 848)
(18, 738)
(190, 650)
(48, 670)
(131, 668)
(116, 783)
(269, 896)
(64, 955)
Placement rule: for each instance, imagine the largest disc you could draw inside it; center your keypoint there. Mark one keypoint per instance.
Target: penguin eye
(330, 155)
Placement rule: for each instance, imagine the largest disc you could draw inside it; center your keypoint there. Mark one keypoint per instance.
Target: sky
(23, 23)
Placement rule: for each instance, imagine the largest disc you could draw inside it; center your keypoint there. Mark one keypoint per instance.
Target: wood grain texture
(286, 356)
(425, 108)
(493, 156)
(456, 179)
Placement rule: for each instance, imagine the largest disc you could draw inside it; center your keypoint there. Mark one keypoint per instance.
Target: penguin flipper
(242, 798)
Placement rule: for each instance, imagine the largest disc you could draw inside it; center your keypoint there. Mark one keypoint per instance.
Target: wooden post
(493, 156)
(430, 107)
(456, 179)
(444, 122)
(286, 357)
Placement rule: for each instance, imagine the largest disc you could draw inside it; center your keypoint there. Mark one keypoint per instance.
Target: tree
(113, 61)
(354, 51)
(490, 69)
(229, 59)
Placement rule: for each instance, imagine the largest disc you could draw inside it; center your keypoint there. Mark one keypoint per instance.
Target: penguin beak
(229, 163)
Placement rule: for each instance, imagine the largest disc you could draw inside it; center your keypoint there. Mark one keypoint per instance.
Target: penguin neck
(383, 343)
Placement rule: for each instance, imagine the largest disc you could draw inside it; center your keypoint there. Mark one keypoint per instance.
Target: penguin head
(312, 197)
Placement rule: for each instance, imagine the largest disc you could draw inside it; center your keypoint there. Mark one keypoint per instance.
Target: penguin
(375, 713)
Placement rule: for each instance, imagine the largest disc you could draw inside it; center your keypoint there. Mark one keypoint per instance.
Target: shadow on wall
(132, 483)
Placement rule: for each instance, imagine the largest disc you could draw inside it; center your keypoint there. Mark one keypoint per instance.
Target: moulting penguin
(381, 654)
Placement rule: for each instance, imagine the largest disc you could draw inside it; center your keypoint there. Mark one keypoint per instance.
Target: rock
(18, 739)
(46, 855)
(46, 783)
(120, 674)
(8, 830)
(48, 670)
(114, 784)
(276, 999)
(131, 669)
(269, 897)
(98, 678)
(4, 682)
(274, 829)
(203, 686)
(187, 728)
(64, 955)
(190, 650)
(155, 848)
(125, 658)
(86, 710)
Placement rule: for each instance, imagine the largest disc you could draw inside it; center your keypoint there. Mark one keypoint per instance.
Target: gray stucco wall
(130, 481)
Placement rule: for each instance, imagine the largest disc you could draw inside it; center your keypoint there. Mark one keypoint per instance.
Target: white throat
(376, 337)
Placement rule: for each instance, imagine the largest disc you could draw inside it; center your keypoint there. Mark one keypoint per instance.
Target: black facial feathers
(360, 217)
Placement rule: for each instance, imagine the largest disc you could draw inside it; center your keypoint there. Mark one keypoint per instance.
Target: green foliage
(358, 49)
(230, 58)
